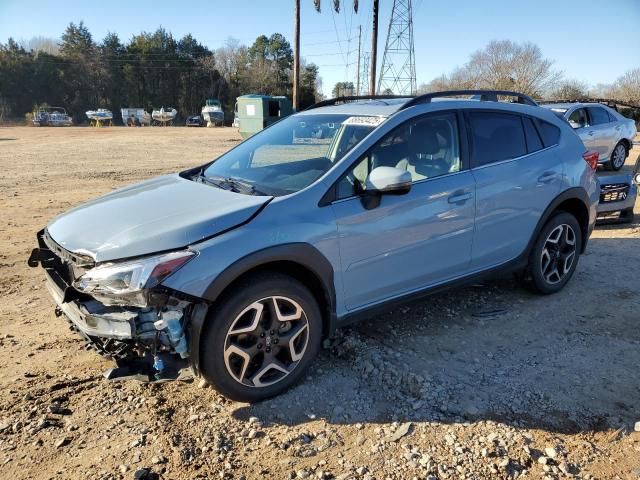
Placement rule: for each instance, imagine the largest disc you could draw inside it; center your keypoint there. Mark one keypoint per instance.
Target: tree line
(151, 70)
(507, 65)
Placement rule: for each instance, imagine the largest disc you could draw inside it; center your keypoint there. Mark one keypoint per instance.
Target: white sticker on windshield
(368, 121)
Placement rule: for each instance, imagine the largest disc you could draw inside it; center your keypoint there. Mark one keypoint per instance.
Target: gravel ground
(488, 381)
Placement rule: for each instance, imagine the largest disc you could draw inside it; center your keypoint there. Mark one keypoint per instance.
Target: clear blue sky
(592, 40)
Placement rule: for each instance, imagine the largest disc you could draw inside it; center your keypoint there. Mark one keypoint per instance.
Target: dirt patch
(488, 381)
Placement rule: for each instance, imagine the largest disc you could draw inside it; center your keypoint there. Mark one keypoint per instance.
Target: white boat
(100, 116)
(164, 116)
(212, 113)
(51, 117)
(135, 117)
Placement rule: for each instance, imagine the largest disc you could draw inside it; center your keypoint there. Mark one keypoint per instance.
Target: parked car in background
(240, 267)
(601, 129)
(617, 198)
(194, 121)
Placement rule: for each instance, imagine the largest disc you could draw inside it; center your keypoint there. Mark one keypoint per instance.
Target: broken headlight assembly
(128, 282)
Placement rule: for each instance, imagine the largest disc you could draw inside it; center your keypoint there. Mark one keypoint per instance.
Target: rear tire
(618, 157)
(261, 337)
(554, 256)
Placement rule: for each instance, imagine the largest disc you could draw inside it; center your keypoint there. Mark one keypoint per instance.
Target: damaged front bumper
(149, 344)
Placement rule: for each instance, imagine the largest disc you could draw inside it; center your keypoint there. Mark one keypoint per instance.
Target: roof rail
(353, 98)
(483, 95)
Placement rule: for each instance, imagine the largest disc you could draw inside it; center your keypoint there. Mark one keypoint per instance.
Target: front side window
(598, 115)
(578, 118)
(496, 137)
(290, 155)
(426, 147)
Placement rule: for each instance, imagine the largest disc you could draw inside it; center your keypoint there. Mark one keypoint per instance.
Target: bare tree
(627, 87)
(502, 65)
(509, 65)
(41, 44)
(570, 89)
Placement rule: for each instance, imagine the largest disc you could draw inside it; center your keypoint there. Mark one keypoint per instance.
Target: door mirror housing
(388, 180)
(385, 181)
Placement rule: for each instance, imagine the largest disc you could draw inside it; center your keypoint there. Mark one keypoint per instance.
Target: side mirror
(388, 180)
(385, 181)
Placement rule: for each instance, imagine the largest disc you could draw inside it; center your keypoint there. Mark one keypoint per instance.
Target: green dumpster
(255, 112)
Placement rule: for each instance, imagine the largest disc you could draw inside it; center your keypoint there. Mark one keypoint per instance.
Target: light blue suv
(239, 268)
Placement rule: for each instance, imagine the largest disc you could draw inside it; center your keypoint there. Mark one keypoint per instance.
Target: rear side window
(550, 133)
(533, 139)
(496, 137)
(598, 115)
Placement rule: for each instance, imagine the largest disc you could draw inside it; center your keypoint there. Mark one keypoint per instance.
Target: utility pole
(296, 53)
(398, 72)
(358, 75)
(374, 49)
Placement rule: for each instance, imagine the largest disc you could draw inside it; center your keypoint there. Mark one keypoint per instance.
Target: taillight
(591, 157)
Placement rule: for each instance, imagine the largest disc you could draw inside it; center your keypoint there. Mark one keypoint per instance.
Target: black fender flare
(302, 254)
(574, 193)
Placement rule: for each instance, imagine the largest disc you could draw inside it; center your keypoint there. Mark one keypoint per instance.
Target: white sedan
(601, 129)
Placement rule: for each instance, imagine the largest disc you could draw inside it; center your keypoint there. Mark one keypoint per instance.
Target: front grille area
(614, 192)
(78, 260)
(68, 265)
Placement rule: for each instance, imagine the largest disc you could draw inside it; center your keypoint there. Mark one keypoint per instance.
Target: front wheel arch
(301, 261)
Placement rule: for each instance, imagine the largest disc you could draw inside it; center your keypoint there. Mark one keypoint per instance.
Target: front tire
(555, 254)
(261, 338)
(618, 157)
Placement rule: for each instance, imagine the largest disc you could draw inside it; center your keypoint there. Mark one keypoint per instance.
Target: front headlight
(127, 283)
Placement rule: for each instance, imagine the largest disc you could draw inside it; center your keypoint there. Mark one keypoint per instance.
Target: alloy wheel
(558, 254)
(619, 155)
(266, 341)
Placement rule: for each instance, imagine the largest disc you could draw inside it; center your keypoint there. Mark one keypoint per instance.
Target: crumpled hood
(163, 213)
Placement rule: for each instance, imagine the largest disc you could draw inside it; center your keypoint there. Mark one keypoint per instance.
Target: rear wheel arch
(574, 201)
(627, 144)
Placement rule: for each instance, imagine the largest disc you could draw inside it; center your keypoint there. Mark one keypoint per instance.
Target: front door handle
(547, 177)
(459, 197)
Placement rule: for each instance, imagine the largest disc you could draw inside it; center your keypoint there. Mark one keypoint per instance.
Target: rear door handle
(547, 177)
(459, 197)
(590, 133)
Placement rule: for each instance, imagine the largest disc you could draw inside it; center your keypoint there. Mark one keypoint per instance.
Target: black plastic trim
(485, 96)
(353, 98)
(303, 254)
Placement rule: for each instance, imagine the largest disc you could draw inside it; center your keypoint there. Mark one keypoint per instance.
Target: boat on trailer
(164, 117)
(212, 113)
(51, 117)
(135, 116)
(99, 117)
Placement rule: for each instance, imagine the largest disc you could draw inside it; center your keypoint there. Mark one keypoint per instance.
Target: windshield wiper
(232, 184)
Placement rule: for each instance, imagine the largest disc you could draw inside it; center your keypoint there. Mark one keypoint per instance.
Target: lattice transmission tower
(364, 75)
(398, 74)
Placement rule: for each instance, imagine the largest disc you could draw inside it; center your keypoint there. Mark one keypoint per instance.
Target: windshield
(291, 154)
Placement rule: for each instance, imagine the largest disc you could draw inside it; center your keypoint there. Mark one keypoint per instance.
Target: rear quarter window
(550, 133)
(534, 143)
